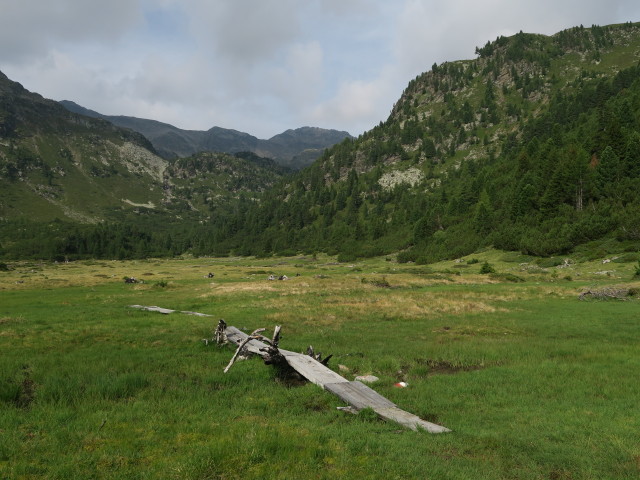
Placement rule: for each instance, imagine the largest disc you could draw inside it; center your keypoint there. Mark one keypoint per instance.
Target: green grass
(534, 383)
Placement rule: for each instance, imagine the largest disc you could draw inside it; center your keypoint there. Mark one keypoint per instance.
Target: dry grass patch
(240, 287)
(413, 305)
(439, 303)
(10, 320)
(345, 301)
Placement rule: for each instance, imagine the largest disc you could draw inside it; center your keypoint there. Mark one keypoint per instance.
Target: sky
(260, 66)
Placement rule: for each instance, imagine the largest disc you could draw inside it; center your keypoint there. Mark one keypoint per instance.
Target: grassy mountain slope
(59, 164)
(292, 148)
(54, 163)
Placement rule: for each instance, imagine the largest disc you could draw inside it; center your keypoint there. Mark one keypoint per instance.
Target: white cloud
(357, 103)
(31, 28)
(260, 66)
(244, 31)
(298, 81)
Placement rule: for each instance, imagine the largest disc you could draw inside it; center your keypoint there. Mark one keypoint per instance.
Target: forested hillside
(532, 146)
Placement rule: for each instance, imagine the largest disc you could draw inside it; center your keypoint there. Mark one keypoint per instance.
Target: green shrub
(407, 256)
(486, 268)
(346, 257)
(288, 252)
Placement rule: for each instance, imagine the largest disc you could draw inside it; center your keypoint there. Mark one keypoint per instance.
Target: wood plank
(166, 311)
(361, 396)
(358, 395)
(311, 369)
(409, 420)
(153, 308)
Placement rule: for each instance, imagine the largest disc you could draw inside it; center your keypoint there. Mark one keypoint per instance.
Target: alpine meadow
(475, 256)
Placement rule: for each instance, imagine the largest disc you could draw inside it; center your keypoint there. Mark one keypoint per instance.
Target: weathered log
(238, 353)
(167, 311)
(220, 336)
(313, 369)
(357, 394)
(318, 356)
(276, 336)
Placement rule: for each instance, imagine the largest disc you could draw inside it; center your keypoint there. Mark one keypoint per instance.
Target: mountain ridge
(294, 148)
(58, 164)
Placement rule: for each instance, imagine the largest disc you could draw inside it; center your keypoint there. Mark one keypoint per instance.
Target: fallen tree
(314, 369)
(311, 367)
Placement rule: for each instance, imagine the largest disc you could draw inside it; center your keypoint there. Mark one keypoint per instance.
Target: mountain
(58, 164)
(293, 148)
(532, 146)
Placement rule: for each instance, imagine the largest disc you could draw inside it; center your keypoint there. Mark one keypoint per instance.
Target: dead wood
(241, 353)
(318, 356)
(313, 368)
(221, 338)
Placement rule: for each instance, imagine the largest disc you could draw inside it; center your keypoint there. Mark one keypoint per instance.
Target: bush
(381, 282)
(486, 268)
(346, 257)
(407, 256)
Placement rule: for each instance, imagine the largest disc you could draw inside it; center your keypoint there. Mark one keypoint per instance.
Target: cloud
(357, 104)
(244, 31)
(31, 28)
(260, 66)
(428, 31)
(298, 82)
